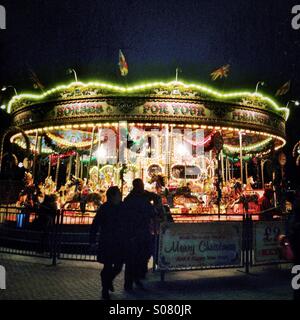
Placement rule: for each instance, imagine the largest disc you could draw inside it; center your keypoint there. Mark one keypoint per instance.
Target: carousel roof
(172, 89)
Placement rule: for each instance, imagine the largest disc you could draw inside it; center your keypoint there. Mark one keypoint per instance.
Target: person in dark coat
(46, 209)
(139, 215)
(111, 250)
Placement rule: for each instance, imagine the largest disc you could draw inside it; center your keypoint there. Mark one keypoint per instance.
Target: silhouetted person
(111, 250)
(139, 215)
(46, 209)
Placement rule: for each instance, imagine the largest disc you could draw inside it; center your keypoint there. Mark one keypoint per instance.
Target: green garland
(59, 150)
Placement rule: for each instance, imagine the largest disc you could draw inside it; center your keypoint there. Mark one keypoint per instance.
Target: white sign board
(199, 245)
(266, 245)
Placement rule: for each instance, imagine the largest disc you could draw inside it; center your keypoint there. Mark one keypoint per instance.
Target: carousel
(201, 149)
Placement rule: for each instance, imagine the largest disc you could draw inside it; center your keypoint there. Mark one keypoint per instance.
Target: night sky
(254, 37)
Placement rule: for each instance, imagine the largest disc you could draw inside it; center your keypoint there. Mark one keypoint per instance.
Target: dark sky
(254, 36)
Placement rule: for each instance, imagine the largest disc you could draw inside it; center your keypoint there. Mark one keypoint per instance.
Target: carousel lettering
(250, 117)
(78, 110)
(156, 108)
(175, 109)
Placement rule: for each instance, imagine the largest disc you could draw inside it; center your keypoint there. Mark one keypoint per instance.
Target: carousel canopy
(66, 114)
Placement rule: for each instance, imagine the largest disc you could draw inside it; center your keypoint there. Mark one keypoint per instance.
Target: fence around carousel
(244, 243)
(20, 234)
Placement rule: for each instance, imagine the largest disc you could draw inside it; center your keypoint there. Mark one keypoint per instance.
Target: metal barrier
(24, 232)
(72, 235)
(259, 243)
(67, 236)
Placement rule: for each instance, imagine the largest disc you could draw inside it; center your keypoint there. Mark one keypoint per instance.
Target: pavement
(30, 278)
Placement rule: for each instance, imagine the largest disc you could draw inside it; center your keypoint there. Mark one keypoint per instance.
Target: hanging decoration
(200, 143)
(60, 150)
(64, 142)
(54, 157)
(254, 148)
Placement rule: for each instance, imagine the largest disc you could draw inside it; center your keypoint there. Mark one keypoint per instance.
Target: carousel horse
(80, 192)
(249, 184)
(209, 191)
(49, 186)
(184, 197)
(159, 181)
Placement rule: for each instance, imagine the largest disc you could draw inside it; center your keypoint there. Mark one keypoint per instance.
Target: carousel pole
(57, 171)
(227, 172)
(222, 166)
(70, 167)
(241, 156)
(122, 160)
(167, 167)
(170, 150)
(262, 173)
(81, 167)
(225, 169)
(49, 167)
(98, 160)
(91, 151)
(246, 171)
(40, 152)
(35, 155)
(210, 161)
(77, 165)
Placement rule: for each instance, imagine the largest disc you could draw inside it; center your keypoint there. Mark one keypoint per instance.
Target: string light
(230, 148)
(252, 147)
(70, 144)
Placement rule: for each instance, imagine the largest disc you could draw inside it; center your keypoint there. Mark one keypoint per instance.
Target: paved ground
(31, 278)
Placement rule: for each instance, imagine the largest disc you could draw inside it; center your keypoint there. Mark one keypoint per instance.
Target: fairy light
(230, 148)
(70, 144)
(248, 148)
